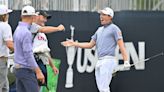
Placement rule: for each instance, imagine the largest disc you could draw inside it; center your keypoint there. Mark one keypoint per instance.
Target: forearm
(50, 60)
(51, 63)
(49, 29)
(37, 70)
(55, 70)
(10, 45)
(83, 45)
(124, 54)
(123, 50)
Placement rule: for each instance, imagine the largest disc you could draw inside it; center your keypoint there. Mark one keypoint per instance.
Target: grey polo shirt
(39, 41)
(106, 38)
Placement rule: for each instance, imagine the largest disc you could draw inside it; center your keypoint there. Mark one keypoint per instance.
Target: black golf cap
(44, 13)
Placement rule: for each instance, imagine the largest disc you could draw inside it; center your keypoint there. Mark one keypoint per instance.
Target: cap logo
(24, 11)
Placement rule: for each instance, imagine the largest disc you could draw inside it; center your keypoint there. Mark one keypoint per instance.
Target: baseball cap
(107, 11)
(44, 13)
(28, 10)
(4, 10)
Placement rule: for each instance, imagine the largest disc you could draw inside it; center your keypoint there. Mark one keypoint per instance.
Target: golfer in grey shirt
(105, 39)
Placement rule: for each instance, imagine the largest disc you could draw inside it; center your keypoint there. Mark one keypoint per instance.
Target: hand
(68, 43)
(55, 70)
(61, 27)
(126, 64)
(40, 76)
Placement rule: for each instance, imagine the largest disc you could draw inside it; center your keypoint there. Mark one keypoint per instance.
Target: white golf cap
(28, 10)
(107, 11)
(4, 10)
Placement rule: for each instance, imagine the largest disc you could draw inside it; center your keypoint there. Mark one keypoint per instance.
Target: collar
(107, 24)
(25, 24)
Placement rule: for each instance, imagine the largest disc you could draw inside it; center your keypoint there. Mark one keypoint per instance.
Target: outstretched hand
(68, 43)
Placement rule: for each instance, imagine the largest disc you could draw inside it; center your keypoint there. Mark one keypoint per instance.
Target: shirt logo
(41, 38)
(120, 33)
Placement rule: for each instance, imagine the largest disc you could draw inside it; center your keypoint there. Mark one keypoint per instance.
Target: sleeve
(94, 37)
(27, 50)
(117, 33)
(34, 28)
(7, 33)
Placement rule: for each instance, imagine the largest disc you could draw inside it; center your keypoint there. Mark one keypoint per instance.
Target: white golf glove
(126, 64)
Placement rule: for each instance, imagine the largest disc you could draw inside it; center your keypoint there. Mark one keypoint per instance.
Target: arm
(80, 45)
(50, 63)
(7, 36)
(27, 50)
(28, 54)
(122, 49)
(39, 75)
(55, 70)
(123, 52)
(50, 29)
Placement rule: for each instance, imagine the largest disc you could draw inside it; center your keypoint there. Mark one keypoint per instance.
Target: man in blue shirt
(106, 38)
(26, 69)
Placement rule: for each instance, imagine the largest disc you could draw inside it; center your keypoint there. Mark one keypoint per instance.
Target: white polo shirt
(40, 43)
(5, 35)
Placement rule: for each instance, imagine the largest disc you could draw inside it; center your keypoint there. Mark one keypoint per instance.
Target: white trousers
(103, 72)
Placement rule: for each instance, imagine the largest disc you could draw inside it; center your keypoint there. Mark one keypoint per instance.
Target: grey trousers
(4, 84)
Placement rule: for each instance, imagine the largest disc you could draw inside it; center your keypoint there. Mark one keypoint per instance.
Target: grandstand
(87, 5)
